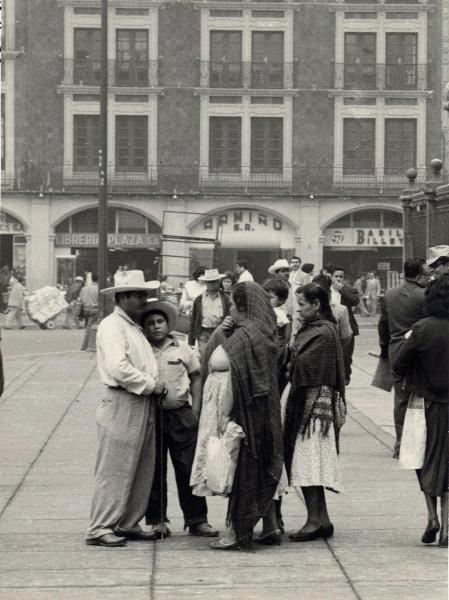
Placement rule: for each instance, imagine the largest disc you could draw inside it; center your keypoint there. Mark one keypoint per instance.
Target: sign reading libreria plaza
(118, 240)
(363, 237)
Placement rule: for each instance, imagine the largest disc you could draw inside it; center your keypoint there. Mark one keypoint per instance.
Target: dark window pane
(225, 59)
(85, 221)
(392, 219)
(86, 142)
(130, 222)
(266, 144)
(359, 146)
(132, 65)
(131, 143)
(86, 53)
(366, 218)
(267, 67)
(225, 144)
(401, 61)
(360, 61)
(400, 145)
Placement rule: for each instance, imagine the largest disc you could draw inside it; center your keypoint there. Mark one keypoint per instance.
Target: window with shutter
(132, 64)
(267, 59)
(131, 143)
(360, 61)
(266, 144)
(225, 144)
(225, 68)
(87, 56)
(400, 145)
(359, 146)
(86, 142)
(401, 61)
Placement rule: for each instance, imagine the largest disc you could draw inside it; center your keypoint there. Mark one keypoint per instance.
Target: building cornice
(380, 93)
(95, 89)
(387, 8)
(203, 91)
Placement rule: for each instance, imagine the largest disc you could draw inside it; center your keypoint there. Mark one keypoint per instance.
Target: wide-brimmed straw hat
(437, 252)
(281, 263)
(166, 308)
(211, 275)
(131, 281)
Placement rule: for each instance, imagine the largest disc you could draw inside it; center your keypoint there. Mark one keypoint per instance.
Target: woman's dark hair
(437, 297)
(413, 267)
(198, 272)
(307, 268)
(324, 281)
(278, 287)
(229, 275)
(313, 292)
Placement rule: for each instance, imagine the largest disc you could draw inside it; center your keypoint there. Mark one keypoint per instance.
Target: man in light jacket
(125, 418)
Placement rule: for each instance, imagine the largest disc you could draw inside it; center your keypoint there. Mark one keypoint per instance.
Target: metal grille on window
(266, 144)
(400, 145)
(359, 146)
(131, 143)
(86, 142)
(225, 144)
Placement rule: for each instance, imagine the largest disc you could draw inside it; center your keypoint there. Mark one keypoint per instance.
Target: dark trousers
(348, 351)
(176, 432)
(400, 408)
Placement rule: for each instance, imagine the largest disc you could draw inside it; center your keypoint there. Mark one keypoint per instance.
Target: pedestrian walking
(241, 268)
(209, 310)
(15, 304)
(422, 361)
(125, 418)
(192, 289)
(401, 308)
(359, 286)
(339, 311)
(89, 306)
(72, 296)
(373, 292)
(341, 293)
(296, 274)
(314, 410)
(241, 386)
(176, 422)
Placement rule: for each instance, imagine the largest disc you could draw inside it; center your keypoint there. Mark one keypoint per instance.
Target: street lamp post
(103, 163)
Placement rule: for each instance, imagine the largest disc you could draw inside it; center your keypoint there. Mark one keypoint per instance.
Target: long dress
(217, 385)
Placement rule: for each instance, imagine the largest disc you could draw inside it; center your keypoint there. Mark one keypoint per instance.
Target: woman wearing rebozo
(314, 410)
(241, 386)
(424, 363)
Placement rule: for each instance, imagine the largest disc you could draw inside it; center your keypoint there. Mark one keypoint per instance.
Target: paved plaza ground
(47, 451)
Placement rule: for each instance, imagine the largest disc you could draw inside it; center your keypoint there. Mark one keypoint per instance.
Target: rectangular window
(87, 56)
(132, 64)
(267, 70)
(225, 144)
(400, 145)
(360, 61)
(2, 125)
(131, 143)
(401, 61)
(359, 146)
(266, 144)
(225, 69)
(86, 142)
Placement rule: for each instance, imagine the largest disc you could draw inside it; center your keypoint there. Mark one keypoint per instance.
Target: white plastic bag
(221, 460)
(414, 435)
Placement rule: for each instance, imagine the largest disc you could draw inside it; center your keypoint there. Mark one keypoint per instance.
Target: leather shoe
(328, 530)
(430, 533)
(203, 530)
(442, 542)
(220, 545)
(161, 531)
(307, 536)
(274, 538)
(109, 540)
(139, 535)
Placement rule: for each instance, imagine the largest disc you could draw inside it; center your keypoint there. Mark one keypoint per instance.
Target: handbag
(383, 378)
(414, 435)
(183, 323)
(221, 459)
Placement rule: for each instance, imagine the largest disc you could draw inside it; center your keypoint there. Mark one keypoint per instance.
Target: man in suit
(401, 308)
(349, 297)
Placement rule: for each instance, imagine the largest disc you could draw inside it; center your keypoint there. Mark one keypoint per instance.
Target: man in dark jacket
(209, 310)
(401, 308)
(343, 294)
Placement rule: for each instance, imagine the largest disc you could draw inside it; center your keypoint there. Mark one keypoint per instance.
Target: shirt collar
(121, 313)
(170, 341)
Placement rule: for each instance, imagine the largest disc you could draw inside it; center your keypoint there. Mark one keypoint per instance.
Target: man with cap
(176, 422)
(438, 260)
(209, 310)
(125, 418)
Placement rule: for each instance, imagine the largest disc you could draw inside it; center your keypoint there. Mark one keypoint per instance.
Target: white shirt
(335, 297)
(124, 357)
(212, 310)
(245, 276)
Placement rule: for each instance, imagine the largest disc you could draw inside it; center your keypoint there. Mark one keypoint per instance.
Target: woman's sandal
(274, 538)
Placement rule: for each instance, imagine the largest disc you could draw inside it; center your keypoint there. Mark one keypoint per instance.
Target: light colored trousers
(125, 462)
(14, 317)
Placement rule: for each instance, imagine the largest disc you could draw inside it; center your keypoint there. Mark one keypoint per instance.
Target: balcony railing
(379, 76)
(196, 178)
(254, 75)
(121, 73)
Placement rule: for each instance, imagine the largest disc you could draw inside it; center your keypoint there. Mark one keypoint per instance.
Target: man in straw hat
(125, 418)
(176, 423)
(209, 309)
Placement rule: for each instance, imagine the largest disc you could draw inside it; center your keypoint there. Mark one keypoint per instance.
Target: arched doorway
(255, 235)
(366, 240)
(12, 243)
(133, 241)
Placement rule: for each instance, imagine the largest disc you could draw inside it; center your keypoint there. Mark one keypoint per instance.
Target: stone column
(310, 250)
(406, 201)
(38, 255)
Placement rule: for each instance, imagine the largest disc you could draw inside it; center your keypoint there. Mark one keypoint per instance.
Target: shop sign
(243, 220)
(362, 238)
(10, 225)
(118, 240)
(383, 266)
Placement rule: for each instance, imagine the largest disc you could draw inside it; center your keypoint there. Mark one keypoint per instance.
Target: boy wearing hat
(176, 423)
(209, 310)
